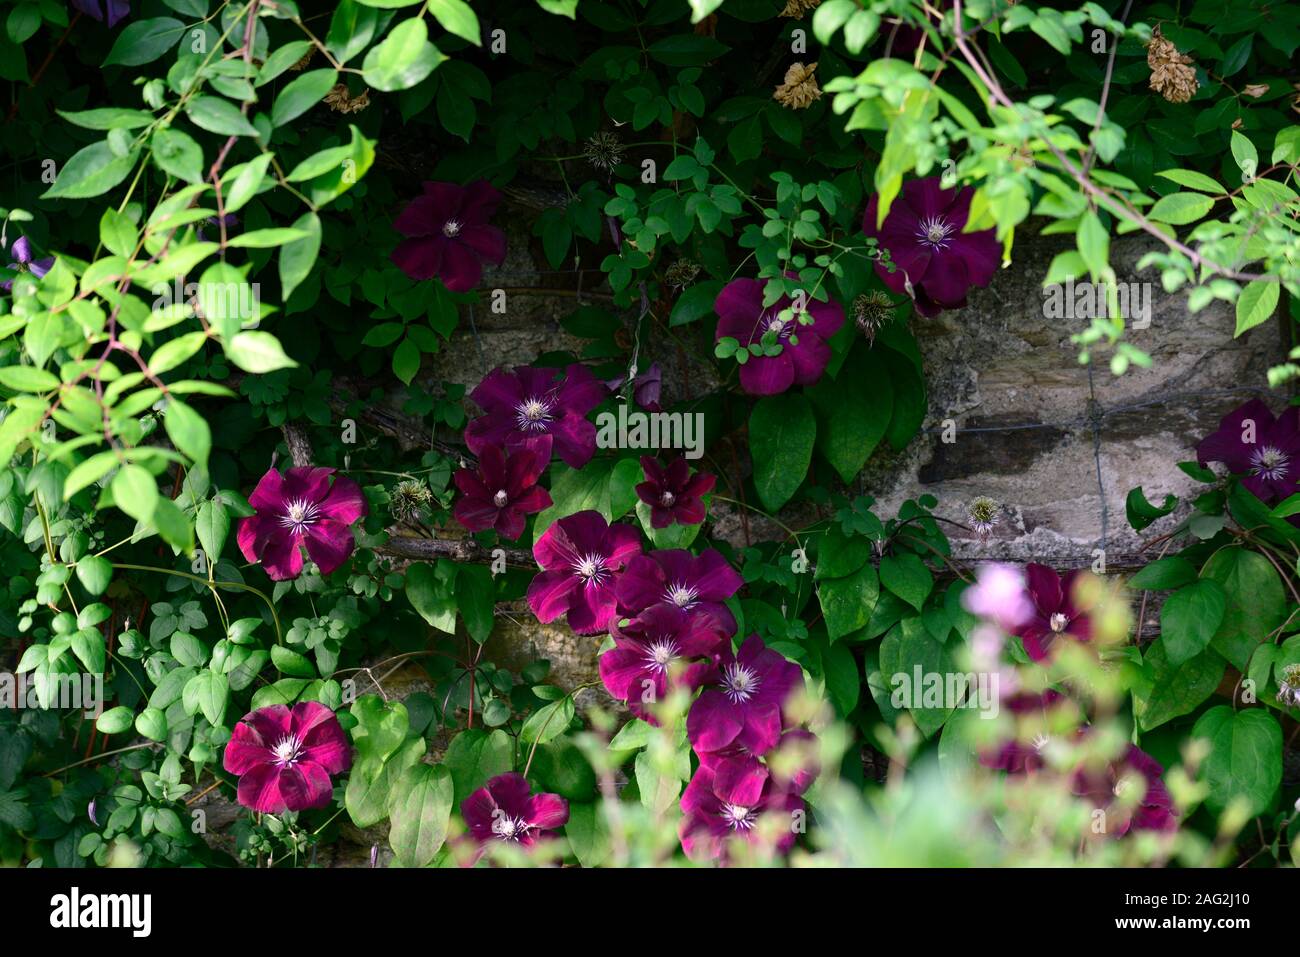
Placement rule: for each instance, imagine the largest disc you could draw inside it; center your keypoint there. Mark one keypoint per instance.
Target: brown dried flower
(340, 100)
(798, 8)
(800, 89)
(306, 58)
(1172, 74)
(1255, 90)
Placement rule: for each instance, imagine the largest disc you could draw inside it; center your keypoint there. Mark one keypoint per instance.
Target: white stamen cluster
(738, 817)
(660, 654)
(739, 682)
(1270, 464)
(592, 568)
(299, 515)
(934, 232)
(451, 228)
(508, 828)
(682, 595)
(533, 414)
(287, 750)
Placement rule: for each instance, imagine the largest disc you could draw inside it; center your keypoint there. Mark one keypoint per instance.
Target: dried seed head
(872, 311)
(409, 498)
(681, 273)
(604, 150)
(800, 89)
(1172, 74)
(1289, 693)
(340, 100)
(797, 9)
(983, 513)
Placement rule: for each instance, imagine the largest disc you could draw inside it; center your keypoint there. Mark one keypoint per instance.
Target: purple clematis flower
(1109, 788)
(743, 707)
(646, 388)
(22, 252)
(284, 758)
(581, 555)
(804, 350)
(1262, 449)
(935, 262)
(659, 650)
(727, 799)
(1055, 612)
(449, 235)
(109, 11)
(793, 764)
(505, 810)
(531, 403)
(301, 508)
(673, 494)
(1022, 753)
(698, 584)
(503, 490)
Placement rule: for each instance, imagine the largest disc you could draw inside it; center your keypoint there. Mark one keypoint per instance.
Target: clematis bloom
(936, 263)
(697, 584)
(664, 648)
(301, 507)
(284, 758)
(673, 494)
(804, 350)
(528, 404)
(1055, 612)
(726, 800)
(22, 254)
(106, 11)
(506, 810)
(743, 707)
(449, 235)
(1263, 449)
(503, 490)
(1116, 790)
(580, 556)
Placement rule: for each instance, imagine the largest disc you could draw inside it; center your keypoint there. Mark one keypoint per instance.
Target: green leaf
(117, 232)
(217, 115)
(695, 303)
(902, 651)
(456, 17)
(1256, 304)
(95, 573)
(28, 379)
(289, 662)
(242, 182)
(301, 94)
(1190, 617)
(92, 170)
(1094, 243)
(108, 118)
(782, 431)
(212, 524)
(1163, 574)
(847, 603)
(135, 492)
(548, 722)
(1174, 690)
(1245, 758)
(1142, 513)
(430, 591)
(207, 692)
(476, 600)
(188, 650)
(152, 723)
(145, 41)
(188, 431)
(1256, 602)
(258, 352)
(115, 720)
(1247, 157)
(1193, 180)
(403, 59)
(1179, 209)
(907, 577)
(419, 811)
(587, 830)
(298, 257)
(177, 153)
(475, 756)
(406, 360)
(853, 411)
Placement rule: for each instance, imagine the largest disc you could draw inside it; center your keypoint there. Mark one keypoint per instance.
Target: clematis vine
(695, 583)
(529, 404)
(801, 351)
(1262, 448)
(503, 490)
(21, 251)
(727, 800)
(580, 556)
(674, 495)
(936, 262)
(1055, 612)
(301, 508)
(505, 810)
(743, 707)
(284, 759)
(663, 649)
(449, 236)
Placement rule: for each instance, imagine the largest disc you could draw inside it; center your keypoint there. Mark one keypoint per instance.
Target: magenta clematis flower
(935, 262)
(804, 350)
(284, 758)
(503, 490)
(727, 799)
(673, 494)
(698, 584)
(1055, 612)
(646, 388)
(581, 555)
(743, 707)
(449, 235)
(793, 764)
(1020, 754)
(1154, 810)
(1264, 450)
(529, 403)
(22, 253)
(663, 648)
(300, 508)
(999, 595)
(108, 11)
(506, 810)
